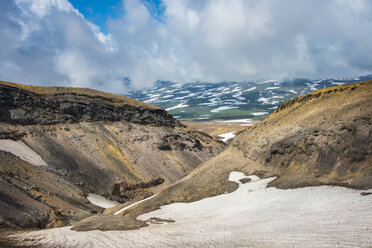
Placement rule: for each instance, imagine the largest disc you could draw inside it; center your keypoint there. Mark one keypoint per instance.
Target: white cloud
(49, 42)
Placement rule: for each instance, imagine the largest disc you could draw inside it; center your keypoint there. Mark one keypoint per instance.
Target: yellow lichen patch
(55, 220)
(117, 159)
(292, 168)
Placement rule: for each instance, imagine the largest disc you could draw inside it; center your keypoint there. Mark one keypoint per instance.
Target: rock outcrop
(27, 105)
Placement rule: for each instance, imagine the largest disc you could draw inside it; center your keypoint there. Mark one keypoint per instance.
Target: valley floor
(215, 128)
(252, 216)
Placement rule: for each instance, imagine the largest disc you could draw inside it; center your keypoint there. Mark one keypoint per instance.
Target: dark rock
(19, 106)
(121, 188)
(6, 133)
(245, 180)
(164, 146)
(365, 193)
(108, 222)
(156, 220)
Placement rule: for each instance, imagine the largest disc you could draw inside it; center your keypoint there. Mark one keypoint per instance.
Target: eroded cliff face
(53, 105)
(86, 142)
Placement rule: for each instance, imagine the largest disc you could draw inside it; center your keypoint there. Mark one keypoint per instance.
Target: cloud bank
(48, 42)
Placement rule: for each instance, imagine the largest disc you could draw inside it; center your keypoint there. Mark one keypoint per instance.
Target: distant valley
(230, 100)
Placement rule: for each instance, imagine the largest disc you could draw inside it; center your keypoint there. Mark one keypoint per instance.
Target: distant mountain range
(230, 100)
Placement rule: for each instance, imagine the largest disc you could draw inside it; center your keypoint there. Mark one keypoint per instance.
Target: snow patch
(181, 105)
(226, 136)
(222, 108)
(259, 113)
(237, 121)
(168, 96)
(250, 89)
(20, 149)
(336, 83)
(236, 176)
(101, 201)
(138, 202)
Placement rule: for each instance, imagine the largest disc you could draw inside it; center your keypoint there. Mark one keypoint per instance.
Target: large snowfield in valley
(251, 216)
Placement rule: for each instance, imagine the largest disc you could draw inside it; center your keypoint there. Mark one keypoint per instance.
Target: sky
(105, 44)
(98, 12)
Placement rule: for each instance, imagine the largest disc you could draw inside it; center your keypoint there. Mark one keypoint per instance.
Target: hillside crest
(29, 105)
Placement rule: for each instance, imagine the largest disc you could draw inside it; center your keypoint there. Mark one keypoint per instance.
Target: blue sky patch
(98, 12)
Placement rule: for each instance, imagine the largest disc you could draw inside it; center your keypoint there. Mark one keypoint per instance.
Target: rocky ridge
(45, 106)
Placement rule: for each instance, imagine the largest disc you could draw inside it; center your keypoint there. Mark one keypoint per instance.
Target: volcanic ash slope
(59, 145)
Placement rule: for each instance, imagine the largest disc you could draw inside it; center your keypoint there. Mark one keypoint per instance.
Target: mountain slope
(320, 138)
(86, 142)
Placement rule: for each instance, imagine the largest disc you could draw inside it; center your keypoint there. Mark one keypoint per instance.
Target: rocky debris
(245, 180)
(179, 142)
(115, 222)
(24, 107)
(12, 135)
(7, 132)
(156, 220)
(128, 191)
(125, 186)
(108, 222)
(365, 193)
